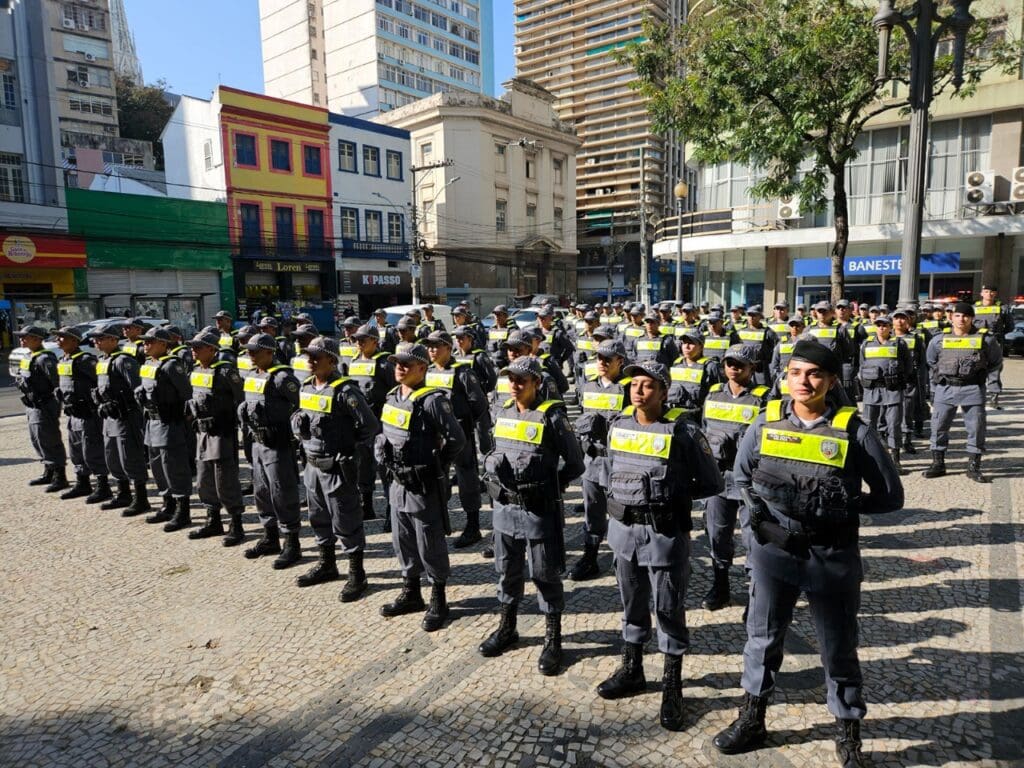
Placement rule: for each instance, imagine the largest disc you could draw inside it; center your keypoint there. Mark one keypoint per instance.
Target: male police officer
(226, 338)
(333, 422)
(498, 334)
(760, 339)
(531, 434)
(420, 439)
(990, 316)
(212, 411)
(271, 396)
(729, 409)
(432, 323)
(301, 337)
(601, 399)
(800, 468)
(658, 463)
(77, 371)
(554, 341)
(375, 377)
(133, 329)
(467, 352)
(162, 394)
(960, 362)
(117, 376)
(654, 345)
(470, 406)
(388, 335)
(915, 407)
(885, 370)
(38, 382)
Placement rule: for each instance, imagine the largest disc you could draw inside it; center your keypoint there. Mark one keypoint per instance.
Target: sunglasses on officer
(732, 363)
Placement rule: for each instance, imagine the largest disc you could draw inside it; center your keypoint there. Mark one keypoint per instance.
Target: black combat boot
(848, 744)
(908, 445)
(586, 567)
(291, 553)
(213, 527)
(505, 636)
(165, 513)
(79, 489)
(236, 533)
(747, 731)
(974, 469)
(409, 600)
(45, 478)
(672, 694)
(437, 611)
(718, 596)
(140, 501)
(355, 582)
(550, 661)
(368, 512)
(182, 515)
(268, 544)
(326, 568)
(101, 492)
(122, 498)
(58, 480)
(938, 466)
(471, 533)
(895, 454)
(488, 551)
(629, 678)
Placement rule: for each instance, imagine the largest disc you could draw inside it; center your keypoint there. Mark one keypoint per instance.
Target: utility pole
(610, 258)
(645, 287)
(417, 250)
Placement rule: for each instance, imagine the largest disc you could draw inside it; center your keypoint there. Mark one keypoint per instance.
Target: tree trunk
(841, 214)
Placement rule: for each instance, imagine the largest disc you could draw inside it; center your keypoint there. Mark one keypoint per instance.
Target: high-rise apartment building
(623, 166)
(362, 57)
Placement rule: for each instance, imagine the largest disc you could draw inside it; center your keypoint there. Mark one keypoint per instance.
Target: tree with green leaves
(142, 113)
(785, 87)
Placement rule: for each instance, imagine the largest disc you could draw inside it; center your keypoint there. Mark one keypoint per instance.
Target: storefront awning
(41, 251)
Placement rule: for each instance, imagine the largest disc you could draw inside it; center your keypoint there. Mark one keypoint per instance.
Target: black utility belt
(959, 381)
(656, 515)
(836, 538)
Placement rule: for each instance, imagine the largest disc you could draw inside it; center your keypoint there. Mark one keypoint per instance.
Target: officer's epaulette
(673, 414)
(220, 363)
(508, 402)
(475, 351)
(394, 389)
(719, 387)
(843, 416)
(423, 392)
(756, 391)
(624, 381)
(703, 359)
(548, 404)
(379, 354)
(308, 380)
(773, 410)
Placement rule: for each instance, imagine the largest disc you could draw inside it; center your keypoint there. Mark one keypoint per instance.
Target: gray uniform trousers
(720, 515)
(417, 532)
(126, 457)
(883, 411)
(44, 433)
(831, 580)
(971, 401)
(994, 380)
(467, 473)
(595, 499)
(335, 511)
(218, 484)
(85, 444)
(171, 468)
(524, 540)
(651, 565)
(275, 481)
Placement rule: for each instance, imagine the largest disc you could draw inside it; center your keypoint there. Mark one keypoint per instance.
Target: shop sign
(360, 281)
(286, 266)
(20, 250)
(889, 264)
(42, 251)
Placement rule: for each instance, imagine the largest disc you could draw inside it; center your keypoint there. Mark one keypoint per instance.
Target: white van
(442, 312)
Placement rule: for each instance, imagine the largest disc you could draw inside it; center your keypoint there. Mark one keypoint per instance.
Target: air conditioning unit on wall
(788, 208)
(1017, 185)
(980, 187)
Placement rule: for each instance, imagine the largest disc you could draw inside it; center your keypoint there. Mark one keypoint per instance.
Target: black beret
(963, 308)
(812, 351)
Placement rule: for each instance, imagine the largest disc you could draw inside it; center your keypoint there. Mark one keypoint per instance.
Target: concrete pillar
(776, 270)
(1005, 147)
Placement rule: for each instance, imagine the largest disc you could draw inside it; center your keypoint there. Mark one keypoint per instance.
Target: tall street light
(681, 190)
(930, 28)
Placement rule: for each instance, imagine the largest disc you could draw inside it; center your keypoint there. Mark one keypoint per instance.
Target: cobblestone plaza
(122, 645)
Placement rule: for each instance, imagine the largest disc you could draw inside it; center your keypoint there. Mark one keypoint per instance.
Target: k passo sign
(360, 281)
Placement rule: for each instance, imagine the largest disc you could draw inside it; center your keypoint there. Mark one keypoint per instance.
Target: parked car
(1013, 342)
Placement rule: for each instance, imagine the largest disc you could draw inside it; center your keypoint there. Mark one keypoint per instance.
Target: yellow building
(278, 177)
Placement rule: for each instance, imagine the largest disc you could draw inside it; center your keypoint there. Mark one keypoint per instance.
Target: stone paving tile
(125, 646)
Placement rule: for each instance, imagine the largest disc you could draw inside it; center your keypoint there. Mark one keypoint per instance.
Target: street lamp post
(930, 28)
(681, 190)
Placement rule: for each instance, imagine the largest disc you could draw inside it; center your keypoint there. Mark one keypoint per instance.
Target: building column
(776, 271)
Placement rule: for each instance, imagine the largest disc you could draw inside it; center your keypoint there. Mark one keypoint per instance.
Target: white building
(192, 174)
(360, 57)
(499, 220)
(371, 186)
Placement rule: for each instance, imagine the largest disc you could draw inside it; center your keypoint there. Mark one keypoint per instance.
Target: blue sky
(206, 42)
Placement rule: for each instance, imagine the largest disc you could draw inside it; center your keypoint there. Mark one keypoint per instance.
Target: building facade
(497, 220)
(743, 249)
(371, 184)
(624, 170)
(361, 57)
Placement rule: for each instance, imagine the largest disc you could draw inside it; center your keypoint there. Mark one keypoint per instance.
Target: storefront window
(30, 312)
(151, 308)
(75, 312)
(184, 313)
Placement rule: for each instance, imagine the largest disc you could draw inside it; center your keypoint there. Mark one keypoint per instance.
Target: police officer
(469, 403)
(484, 369)
(831, 334)
(521, 344)
(780, 319)
(737, 318)
(554, 342)
(692, 373)
(498, 334)
(213, 416)
(655, 345)
(375, 377)
(270, 326)
(464, 319)
(717, 339)
(226, 338)
(420, 440)
(299, 362)
(117, 377)
(241, 358)
(388, 336)
(531, 435)
(432, 323)
(760, 339)
(77, 372)
(133, 329)
(960, 362)
(162, 394)
(552, 369)
(38, 382)
(781, 354)
(406, 328)
(800, 468)
(347, 346)
(271, 396)
(936, 322)
(632, 329)
(601, 398)
(990, 316)
(179, 348)
(333, 423)
(658, 463)
(914, 405)
(885, 371)
(729, 409)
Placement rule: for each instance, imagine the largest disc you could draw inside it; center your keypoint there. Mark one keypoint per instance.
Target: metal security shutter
(108, 281)
(147, 282)
(199, 283)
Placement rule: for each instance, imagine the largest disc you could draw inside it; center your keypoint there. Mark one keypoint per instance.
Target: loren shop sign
(889, 264)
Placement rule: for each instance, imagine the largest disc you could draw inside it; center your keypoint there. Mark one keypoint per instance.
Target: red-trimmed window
(312, 160)
(246, 154)
(281, 155)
